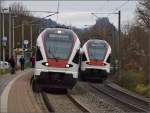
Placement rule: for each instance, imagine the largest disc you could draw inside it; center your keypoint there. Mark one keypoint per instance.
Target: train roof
(57, 30)
(95, 40)
(62, 29)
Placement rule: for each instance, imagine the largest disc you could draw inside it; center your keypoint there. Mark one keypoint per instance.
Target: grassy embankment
(134, 81)
(4, 71)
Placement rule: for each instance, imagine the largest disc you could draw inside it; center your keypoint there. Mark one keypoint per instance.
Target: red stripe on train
(57, 63)
(96, 62)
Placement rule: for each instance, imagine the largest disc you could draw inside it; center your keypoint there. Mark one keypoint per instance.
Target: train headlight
(59, 32)
(67, 65)
(46, 64)
(89, 63)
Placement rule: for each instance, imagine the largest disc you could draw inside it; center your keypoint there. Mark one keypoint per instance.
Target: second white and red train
(95, 59)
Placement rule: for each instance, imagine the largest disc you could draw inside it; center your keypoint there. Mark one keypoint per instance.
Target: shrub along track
(129, 100)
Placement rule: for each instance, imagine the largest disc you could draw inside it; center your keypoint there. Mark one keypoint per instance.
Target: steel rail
(124, 99)
(77, 103)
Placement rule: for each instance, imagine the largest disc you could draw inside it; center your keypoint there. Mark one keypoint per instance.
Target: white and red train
(57, 58)
(95, 59)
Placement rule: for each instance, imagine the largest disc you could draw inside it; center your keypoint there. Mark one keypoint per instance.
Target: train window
(84, 57)
(77, 57)
(58, 45)
(38, 55)
(97, 51)
(108, 59)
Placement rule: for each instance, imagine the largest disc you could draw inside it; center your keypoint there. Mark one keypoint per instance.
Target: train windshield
(97, 51)
(58, 46)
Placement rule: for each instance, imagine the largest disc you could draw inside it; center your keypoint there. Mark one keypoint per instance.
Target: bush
(4, 71)
(131, 79)
(134, 81)
(142, 89)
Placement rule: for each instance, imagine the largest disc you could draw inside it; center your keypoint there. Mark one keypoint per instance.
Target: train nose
(59, 63)
(96, 62)
(57, 77)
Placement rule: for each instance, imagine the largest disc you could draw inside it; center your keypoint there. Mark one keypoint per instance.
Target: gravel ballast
(90, 100)
(61, 103)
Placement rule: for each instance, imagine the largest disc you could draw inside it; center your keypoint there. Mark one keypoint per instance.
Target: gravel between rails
(110, 100)
(91, 100)
(81, 106)
(61, 103)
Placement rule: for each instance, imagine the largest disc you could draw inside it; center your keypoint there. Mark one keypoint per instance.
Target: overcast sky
(77, 13)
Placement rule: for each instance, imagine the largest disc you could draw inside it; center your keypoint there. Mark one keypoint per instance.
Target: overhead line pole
(22, 40)
(119, 44)
(31, 36)
(13, 34)
(57, 10)
(3, 24)
(10, 40)
(3, 27)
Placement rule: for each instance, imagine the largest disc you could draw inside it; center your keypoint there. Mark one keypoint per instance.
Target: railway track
(83, 108)
(62, 103)
(131, 101)
(49, 102)
(40, 99)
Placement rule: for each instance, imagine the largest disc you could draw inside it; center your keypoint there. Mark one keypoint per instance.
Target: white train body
(95, 58)
(57, 58)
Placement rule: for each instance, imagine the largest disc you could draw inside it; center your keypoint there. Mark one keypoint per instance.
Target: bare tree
(143, 11)
(19, 9)
(135, 56)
